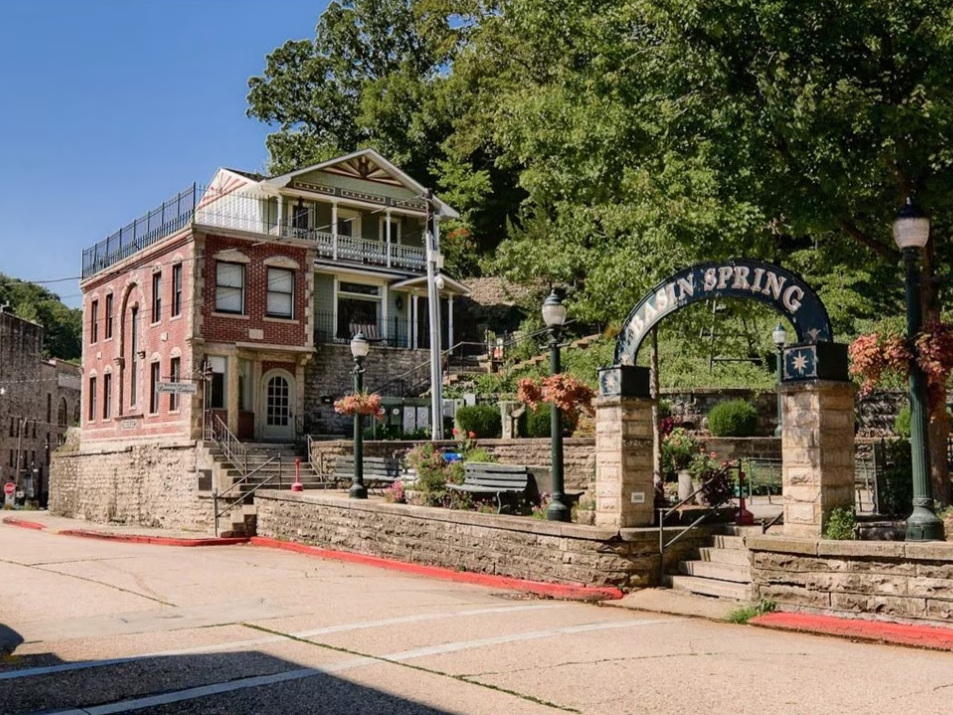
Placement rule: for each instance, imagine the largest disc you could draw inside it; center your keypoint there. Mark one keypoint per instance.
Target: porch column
(385, 299)
(450, 321)
(387, 234)
(817, 453)
(231, 391)
(281, 216)
(334, 230)
(413, 324)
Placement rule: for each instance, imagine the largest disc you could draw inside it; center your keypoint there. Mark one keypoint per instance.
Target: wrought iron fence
(162, 221)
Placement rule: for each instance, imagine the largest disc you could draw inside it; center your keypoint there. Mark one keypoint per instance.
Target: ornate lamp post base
(924, 525)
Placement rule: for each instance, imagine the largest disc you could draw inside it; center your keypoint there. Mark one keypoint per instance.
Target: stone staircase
(722, 570)
(266, 462)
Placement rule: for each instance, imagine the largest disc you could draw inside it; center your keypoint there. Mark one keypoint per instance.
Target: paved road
(115, 628)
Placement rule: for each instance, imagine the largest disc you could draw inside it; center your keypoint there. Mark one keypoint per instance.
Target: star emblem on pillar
(800, 363)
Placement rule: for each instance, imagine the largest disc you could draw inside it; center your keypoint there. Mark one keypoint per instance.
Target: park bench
(495, 479)
(377, 470)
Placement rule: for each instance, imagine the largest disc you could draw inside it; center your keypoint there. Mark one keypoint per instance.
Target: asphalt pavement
(100, 627)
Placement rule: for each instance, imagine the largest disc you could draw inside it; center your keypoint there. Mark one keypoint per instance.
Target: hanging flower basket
(360, 403)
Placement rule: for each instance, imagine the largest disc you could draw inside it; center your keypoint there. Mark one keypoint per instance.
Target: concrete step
(721, 572)
(728, 542)
(709, 587)
(738, 557)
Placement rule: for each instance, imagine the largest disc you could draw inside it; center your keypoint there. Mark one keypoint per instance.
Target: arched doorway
(278, 400)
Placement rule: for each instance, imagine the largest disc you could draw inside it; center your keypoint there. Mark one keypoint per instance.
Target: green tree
(63, 327)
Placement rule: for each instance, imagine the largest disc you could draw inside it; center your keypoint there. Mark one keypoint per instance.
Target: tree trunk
(938, 432)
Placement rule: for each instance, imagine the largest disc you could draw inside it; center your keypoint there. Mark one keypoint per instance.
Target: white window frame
(269, 291)
(241, 288)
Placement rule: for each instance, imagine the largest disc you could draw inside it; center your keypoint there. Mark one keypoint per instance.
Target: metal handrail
(235, 452)
(765, 524)
(665, 513)
(242, 481)
(315, 467)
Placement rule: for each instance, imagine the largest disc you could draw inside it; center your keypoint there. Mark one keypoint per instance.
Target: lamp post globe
(359, 349)
(554, 316)
(911, 231)
(779, 337)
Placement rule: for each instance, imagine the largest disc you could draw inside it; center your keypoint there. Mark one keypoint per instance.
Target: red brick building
(235, 288)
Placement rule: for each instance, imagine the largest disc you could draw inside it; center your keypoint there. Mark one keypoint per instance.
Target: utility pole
(434, 263)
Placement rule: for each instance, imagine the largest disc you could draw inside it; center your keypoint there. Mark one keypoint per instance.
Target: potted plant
(712, 477)
(678, 450)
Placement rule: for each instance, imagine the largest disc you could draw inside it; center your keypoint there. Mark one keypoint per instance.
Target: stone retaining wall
(884, 580)
(518, 547)
(146, 485)
(579, 455)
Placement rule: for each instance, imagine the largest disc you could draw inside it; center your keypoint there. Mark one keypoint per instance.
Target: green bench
(377, 470)
(495, 479)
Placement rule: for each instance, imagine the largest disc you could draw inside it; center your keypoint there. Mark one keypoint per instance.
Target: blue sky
(112, 106)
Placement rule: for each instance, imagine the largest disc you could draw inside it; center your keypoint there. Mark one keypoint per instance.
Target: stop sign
(9, 488)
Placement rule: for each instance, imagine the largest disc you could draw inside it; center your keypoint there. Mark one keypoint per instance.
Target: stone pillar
(817, 449)
(624, 488)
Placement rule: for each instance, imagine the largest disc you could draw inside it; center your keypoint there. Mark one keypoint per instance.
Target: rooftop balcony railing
(194, 206)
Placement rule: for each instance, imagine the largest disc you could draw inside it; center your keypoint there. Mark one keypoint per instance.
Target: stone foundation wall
(885, 580)
(518, 547)
(579, 458)
(145, 485)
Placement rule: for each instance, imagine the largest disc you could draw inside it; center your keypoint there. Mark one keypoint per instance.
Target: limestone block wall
(625, 493)
(818, 453)
(879, 579)
(145, 485)
(519, 547)
(579, 459)
(329, 374)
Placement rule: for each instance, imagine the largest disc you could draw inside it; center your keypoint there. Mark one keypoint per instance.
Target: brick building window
(230, 287)
(107, 395)
(94, 322)
(156, 297)
(92, 400)
(175, 372)
(176, 289)
(281, 293)
(154, 387)
(109, 316)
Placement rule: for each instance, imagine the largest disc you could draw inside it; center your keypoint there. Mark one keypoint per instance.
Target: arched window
(62, 417)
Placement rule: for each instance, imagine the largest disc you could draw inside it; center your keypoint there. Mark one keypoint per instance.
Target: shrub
(840, 524)
(538, 422)
(735, 418)
(482, 420)
(678, 451)
(901, 425)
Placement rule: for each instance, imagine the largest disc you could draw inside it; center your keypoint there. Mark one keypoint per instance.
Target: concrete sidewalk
(653, 600)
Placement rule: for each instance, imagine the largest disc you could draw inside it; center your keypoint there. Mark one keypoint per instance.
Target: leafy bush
(482, 420)
(678, 451)
(840, 524)
(735, 418)
(901, 425)
(538, 423)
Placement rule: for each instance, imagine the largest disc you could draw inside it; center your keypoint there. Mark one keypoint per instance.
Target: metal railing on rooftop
(252, 214)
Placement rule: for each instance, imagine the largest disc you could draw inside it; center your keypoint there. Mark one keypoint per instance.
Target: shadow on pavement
(236, 683)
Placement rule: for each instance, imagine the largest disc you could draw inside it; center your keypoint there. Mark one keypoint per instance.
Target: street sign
(9, 488)
(177, 388)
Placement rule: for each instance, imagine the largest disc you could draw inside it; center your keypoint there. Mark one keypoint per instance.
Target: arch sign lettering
(755, 280)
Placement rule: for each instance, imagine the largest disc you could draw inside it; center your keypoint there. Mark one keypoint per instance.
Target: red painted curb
(155, 540)
(23, 523)
(554, 590)
(934, 637)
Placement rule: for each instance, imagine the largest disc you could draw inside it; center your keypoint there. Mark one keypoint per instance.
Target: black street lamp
(779, 337)
(911, 231)
(554, 316)
(359, 348)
